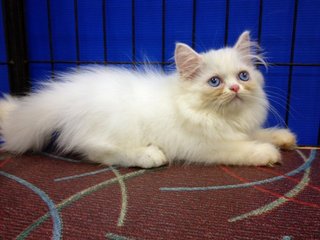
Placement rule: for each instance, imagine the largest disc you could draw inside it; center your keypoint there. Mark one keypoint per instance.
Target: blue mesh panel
(136, 29)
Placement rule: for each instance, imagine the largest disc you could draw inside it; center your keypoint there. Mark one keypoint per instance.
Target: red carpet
(42, 197)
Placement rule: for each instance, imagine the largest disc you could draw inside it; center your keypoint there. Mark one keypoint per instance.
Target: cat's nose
(235, 88)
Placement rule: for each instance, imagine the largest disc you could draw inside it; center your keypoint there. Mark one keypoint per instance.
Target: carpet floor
(48, 197)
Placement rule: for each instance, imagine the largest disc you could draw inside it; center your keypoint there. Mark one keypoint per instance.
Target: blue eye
(214, 82)
(244, 76)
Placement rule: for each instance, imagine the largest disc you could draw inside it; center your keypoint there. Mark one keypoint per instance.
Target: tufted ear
(249, 50)
(243, 44)
(188, 61)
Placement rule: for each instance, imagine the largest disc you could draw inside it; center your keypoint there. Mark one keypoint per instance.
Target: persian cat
(211, 111)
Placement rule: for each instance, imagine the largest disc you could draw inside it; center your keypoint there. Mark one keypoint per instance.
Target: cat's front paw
(152, 157)
(265, 154)
(284, 139)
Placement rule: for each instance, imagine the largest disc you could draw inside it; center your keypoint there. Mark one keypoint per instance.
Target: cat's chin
(235, 103)
(236, 99)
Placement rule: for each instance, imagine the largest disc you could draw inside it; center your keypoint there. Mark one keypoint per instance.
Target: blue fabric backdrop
(133, 29)
(4, 83)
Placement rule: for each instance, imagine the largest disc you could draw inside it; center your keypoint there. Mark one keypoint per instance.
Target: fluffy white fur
(148, 118)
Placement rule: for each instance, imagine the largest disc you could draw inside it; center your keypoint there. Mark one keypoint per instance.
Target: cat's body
(147, 119)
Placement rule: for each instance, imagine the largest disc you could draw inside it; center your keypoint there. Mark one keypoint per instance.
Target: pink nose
(235, 88)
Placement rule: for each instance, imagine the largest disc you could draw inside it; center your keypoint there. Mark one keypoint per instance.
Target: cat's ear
(243, 45)
(250, 51)
(188, 61)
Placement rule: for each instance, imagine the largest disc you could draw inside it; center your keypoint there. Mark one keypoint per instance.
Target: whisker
(277, 116)
(280, 101)
(279, 92)
(276, 88)
(270, 108)
(279, 97)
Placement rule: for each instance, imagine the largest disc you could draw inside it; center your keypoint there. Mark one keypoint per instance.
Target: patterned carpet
(44, 197)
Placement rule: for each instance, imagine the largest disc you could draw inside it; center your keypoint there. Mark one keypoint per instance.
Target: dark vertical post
(50, 38)
(13, 13)
(104, 26)
(194, 12)
(319, 135)
(163, 33)
(293, 42)
(260, 20)
(76, 23)
(226, 30)
(133, 34)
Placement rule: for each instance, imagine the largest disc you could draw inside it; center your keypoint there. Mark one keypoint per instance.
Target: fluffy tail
(24, 124)
(7, 104)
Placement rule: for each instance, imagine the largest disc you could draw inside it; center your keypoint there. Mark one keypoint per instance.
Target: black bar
(194, 23)
(293, 41)
(163, 32)
(104, 25)
(308, 146)
(260, 20)
(15, 34)
(99, 62)
(319, 135)
(226, 30)
(133, 34)
(50, 37)
(164, 62)
(296, 64)
(76, 23)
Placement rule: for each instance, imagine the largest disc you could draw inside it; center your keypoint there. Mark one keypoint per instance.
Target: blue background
(154, 36)
(4, 83)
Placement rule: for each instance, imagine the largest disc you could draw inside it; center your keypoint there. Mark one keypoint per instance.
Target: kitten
(210, 111)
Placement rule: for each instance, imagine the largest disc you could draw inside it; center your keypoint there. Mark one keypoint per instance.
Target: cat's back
(101, 88)
(110, 80)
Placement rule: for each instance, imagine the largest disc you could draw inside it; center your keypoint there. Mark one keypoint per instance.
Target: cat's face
(224, 79)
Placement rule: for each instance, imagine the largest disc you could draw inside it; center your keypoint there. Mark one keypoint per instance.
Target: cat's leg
(282, 138)
(251, 153)
(145, 157)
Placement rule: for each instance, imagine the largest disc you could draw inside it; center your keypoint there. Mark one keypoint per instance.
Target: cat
(211, 111)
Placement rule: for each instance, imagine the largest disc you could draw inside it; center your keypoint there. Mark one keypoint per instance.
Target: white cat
(210, 111)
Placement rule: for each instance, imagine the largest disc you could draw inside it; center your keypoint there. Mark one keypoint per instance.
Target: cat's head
(226, 79)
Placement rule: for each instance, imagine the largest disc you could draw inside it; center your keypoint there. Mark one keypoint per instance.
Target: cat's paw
(284, 139)
(265, 154)
(151, 157)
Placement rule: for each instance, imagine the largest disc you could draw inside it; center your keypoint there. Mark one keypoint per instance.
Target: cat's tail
(23, 125)
(7, 104)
